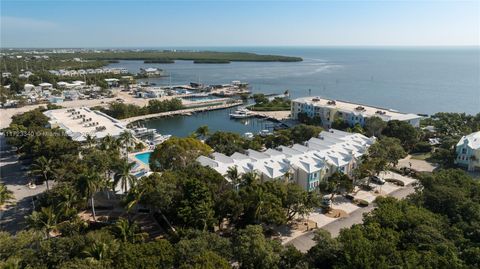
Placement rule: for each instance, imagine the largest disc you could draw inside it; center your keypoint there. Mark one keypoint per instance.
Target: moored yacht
(241, 113)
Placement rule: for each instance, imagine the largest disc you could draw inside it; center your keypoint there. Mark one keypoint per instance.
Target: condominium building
(328, 110)
(79, 123)
(468, 152)
(306, 165)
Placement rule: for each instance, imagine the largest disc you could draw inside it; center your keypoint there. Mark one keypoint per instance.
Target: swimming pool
(143, 157)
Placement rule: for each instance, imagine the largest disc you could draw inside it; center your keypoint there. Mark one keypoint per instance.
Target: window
(464, 151)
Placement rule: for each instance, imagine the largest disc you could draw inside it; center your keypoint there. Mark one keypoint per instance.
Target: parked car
(326, 201)
(377, 180)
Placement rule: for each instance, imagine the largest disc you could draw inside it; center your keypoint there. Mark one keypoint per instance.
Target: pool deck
(141, 166)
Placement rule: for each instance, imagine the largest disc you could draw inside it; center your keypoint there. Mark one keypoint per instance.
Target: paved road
(11, 173)
(305, 241)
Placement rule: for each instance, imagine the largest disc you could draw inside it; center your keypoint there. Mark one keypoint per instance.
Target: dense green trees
(227, 142)
(176, 153)
(262, 103)
(253, 250)
(374, 126)
(402, 130)
(453, 124)
(303, 117)
(123, 111)
(218, 224)
(436, 228)
(198, 197)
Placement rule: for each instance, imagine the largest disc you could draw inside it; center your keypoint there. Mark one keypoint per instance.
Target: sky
(123, 23)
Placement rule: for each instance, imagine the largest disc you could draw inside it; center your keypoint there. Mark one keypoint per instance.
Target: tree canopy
(176, 153)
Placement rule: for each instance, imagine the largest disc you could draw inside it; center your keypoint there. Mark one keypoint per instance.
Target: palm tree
(202, 131)
(232, 174)
(89, 184)
(44, 220)
(43, 168)
(124, 176)
(250, 178)
(109, 143)
(67, 206)
(99, 251)
(5, 195)
(127, 139)
(133, 198)
(128, 231)
(90, 141)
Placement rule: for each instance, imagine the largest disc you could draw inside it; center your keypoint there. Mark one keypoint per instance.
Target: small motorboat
(248, 135)
(241, 113)
(265, 132)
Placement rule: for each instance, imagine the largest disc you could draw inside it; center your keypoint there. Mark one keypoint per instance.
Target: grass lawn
(421, 156)
(269, 108)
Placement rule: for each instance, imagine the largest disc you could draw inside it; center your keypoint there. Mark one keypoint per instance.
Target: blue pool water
(143, 157)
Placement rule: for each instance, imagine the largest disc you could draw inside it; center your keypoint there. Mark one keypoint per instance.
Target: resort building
(328, 110)
(151, 92)
(468, 152)
(306, 165)
(78, 123)
(151, 72)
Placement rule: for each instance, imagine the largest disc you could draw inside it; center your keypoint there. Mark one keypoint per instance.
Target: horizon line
(244, 46)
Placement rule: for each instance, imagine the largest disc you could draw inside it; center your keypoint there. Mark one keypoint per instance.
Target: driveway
(305, 241)
(418, 165)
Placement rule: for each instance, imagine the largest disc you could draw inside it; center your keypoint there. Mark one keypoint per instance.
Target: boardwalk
(182, 111)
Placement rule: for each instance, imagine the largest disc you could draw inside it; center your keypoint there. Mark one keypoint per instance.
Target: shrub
(422, 147)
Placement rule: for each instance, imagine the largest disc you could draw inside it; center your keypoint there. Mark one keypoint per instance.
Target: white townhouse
(306, 165)
(468, 152)
(351, 113)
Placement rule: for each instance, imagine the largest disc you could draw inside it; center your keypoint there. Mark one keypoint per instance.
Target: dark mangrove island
(168, 56)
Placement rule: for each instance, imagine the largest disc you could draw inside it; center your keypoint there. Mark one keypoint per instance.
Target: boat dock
(187, 111)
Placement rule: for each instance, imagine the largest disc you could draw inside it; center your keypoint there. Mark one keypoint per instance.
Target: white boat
(241, 113)
(265, 132)
(142, 131)
(248, 135)
(158, 138)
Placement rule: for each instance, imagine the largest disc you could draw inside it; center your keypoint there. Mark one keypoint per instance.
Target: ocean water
(414, 80)
(417, 80)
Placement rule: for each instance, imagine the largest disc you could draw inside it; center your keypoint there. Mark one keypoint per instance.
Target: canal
(216, 120)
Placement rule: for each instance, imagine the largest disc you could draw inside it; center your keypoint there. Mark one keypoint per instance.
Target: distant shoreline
(169, 56)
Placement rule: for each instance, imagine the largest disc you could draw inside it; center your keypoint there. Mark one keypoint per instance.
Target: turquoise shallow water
(416, 80)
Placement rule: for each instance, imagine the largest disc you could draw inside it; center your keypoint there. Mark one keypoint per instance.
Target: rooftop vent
(360, 108)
